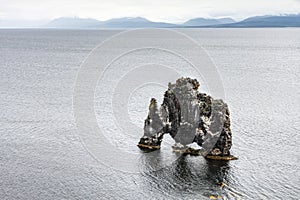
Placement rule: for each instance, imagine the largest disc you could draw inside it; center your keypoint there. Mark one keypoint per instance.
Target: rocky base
(148, 147)
(187, 151)
(151, 142)
(229, 157)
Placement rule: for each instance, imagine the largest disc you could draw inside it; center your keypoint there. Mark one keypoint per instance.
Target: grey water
(42, 155)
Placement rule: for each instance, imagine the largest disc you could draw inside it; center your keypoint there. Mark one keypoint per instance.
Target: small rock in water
(189, 117)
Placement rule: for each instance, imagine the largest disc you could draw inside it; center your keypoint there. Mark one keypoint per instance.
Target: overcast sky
(155, 10)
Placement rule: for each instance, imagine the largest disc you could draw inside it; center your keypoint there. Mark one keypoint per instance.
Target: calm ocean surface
(42, 156)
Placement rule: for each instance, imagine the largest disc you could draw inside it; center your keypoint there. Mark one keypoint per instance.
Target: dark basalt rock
(189, 116)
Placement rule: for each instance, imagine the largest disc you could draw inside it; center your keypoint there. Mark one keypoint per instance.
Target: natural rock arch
(189, 117)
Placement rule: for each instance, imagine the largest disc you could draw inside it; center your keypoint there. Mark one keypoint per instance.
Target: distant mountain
(126, 22)
(226, 20)
(207, 22)
(139, 22)
(268, 21)
(73, 22)
(136, 22)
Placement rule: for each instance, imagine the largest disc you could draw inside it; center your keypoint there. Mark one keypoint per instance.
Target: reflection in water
(217, 170)
(186, 176)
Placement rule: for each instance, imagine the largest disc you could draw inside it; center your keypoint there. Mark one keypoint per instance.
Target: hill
(207, 22)
(268, 21)
(126, 22)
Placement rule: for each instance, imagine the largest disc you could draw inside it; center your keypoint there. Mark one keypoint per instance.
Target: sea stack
(189, 117)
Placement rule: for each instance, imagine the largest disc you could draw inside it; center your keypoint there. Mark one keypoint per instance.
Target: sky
(174, 11)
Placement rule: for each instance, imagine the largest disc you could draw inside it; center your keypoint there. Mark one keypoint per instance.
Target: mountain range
(139, 22)
(125, 22)
(131, 22)
(267, 21)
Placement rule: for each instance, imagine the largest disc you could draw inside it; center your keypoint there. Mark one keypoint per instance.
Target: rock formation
(189, 117)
